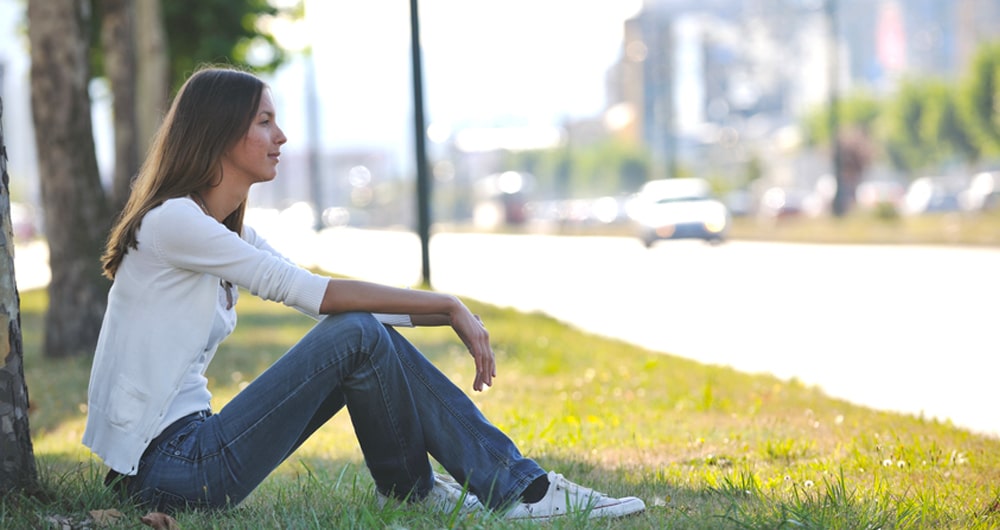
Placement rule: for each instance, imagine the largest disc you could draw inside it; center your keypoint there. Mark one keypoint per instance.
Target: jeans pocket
(176, 446)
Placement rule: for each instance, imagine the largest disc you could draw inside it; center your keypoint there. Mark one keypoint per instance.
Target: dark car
(680, 208)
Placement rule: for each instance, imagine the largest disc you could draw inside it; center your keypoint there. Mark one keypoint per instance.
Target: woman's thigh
(219, 461)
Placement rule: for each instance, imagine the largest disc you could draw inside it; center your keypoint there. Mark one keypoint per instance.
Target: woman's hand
(470, 329)
(425, 308)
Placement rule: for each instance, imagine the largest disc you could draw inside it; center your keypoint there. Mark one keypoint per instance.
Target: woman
(176, 257)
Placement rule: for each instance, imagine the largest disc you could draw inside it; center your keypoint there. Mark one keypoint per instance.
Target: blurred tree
(907, 148)
(945, 128)
(76, 211)
(605, 168)
(609, 168)
(858, 113)
(856, 153)
(980, 101)
(858, 109)
(152, 70)
(226, 31)
(17, 467)
(145, 48)
(117, 32)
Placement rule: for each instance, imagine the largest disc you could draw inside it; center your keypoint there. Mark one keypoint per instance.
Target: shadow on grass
(306, 492)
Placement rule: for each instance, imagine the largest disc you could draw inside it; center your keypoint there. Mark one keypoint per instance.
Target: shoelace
(561, 482)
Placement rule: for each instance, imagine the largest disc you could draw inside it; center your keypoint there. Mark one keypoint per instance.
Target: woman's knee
(356, 326)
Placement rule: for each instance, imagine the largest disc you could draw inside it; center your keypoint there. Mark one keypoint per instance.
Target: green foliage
(981, 101)
(859, 109)
(606, 168)
(944, 127)
(907, 147)
(219, 31)
(927, 122)
(210, 31)
(924, 126)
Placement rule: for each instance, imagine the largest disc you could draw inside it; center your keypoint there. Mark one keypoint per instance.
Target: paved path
(909, 329)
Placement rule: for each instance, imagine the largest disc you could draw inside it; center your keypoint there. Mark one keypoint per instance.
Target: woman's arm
(425, 308)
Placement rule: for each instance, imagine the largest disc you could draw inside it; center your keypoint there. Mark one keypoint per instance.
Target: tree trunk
(117, 30)
(77, 216)
(153, 69)
(17, 458)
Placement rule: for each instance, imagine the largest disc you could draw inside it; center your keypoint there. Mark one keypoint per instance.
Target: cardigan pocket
(128, 403)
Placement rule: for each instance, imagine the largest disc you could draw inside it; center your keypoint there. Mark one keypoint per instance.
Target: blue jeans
(402, 408)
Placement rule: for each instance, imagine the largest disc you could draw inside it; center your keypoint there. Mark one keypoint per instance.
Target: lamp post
(420, 146)
(839, 206)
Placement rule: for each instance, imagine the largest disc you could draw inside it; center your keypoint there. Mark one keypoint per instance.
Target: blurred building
(706, 84)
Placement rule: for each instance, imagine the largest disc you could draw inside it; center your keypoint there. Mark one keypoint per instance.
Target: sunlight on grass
(704, 446)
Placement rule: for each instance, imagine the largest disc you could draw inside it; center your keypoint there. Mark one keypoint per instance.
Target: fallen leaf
(160, 521)
(106, 517)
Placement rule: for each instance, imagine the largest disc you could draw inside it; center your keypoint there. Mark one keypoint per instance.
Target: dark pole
(314, 143)
(839, 206)
(423, 180)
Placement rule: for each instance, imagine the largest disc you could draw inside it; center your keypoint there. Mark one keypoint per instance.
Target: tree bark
(17, 458)
(153, 69)
(117, 31)
(77, 216)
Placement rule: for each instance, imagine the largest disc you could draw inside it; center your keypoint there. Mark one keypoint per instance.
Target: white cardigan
(159, 315)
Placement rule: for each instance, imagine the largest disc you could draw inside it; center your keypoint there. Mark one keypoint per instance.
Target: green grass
(704, 446)
(981, 229)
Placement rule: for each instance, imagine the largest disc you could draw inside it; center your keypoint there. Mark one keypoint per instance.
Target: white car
(679, 208)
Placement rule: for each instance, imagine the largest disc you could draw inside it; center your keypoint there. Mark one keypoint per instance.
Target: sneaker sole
(626, 506)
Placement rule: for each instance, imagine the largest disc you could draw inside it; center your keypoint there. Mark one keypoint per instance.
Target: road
(908, 329)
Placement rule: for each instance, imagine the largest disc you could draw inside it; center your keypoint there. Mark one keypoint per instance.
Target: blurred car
(872, 194)
(783, 203)
(934, 194)
(983, 193)
(680, 208)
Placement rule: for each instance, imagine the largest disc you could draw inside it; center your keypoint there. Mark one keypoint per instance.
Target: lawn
(704, 446)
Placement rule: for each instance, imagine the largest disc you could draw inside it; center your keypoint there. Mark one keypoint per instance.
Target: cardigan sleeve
(187, 238)
(181, 235)
(250, 235)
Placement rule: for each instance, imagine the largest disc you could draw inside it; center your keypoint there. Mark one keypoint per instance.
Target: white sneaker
(445, 496)
(565, 497)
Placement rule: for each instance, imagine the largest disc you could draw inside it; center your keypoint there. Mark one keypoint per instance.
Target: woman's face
(255, 157)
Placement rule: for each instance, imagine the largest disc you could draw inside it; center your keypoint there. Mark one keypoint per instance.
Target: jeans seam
(498, 456)
(390, 410)
(305, 381)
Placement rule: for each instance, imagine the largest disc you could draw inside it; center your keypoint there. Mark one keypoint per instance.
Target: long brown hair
(211, 112)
